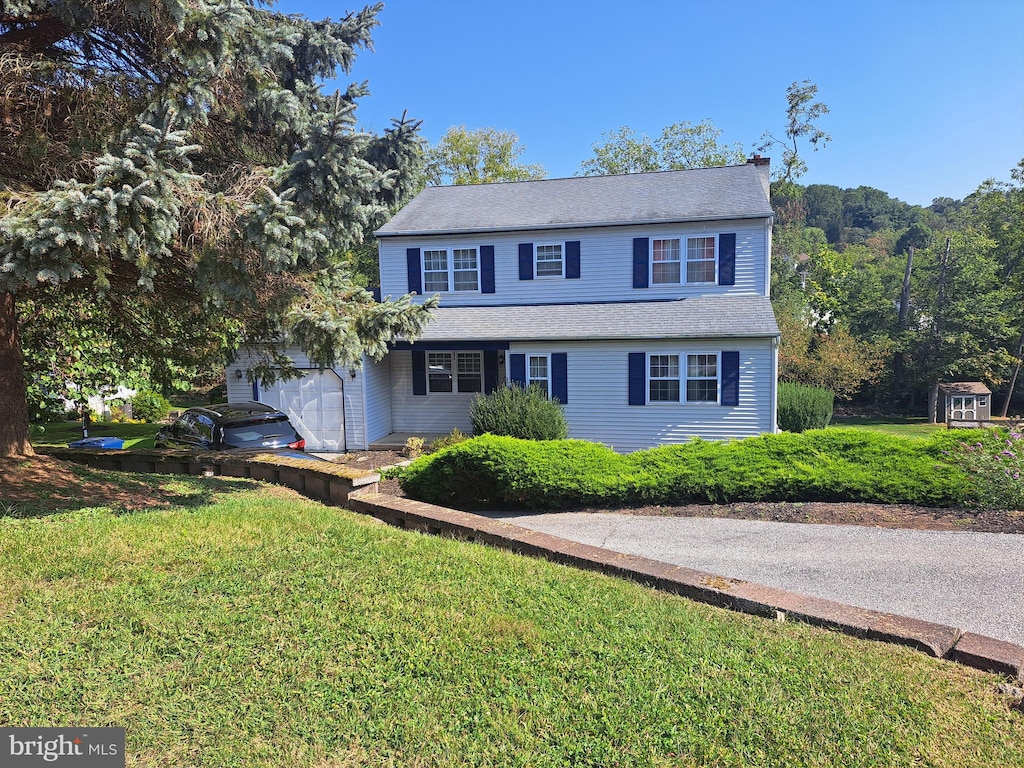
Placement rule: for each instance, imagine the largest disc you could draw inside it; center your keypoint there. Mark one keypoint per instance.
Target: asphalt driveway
(974, 581)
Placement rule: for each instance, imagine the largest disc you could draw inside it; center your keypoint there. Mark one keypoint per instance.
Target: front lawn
(60, 433)
(905, 426)
(245, 626)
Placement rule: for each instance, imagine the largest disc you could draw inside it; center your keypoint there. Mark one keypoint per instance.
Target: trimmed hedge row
(491, 472)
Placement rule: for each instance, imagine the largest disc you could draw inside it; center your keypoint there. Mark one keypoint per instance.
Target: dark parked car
(232, 427)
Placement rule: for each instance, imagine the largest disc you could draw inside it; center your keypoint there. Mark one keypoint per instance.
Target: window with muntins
(549, 261)
(667, 260)
(435, 271)
(470, 372)
(700, 260)
(467, 269)
(538, 373)
(702, 378)
(439, 371)
(664, 379)
(457, 269)
(665, 267)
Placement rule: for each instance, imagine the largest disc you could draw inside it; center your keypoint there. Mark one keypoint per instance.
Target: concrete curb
(937, 640)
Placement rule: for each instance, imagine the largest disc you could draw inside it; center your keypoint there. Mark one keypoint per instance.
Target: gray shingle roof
(731, 192)
(704, 318)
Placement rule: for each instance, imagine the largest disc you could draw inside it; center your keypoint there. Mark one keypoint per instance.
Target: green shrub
(516, 411)
(802, 407)
(150, 406)
(454, 437)
(820, 465)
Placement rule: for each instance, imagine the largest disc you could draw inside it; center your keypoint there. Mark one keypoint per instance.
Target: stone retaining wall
(319, 480)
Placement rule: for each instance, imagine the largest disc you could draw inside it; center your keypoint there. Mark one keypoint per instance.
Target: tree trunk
(933, 403)
(13, 406)
(1013, 379)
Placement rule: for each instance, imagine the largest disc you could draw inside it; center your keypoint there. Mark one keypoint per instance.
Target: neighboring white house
(640, 301)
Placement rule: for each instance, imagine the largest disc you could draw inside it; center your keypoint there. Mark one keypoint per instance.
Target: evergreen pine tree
(175, 159)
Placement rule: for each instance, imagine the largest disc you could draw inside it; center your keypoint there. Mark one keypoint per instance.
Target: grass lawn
(894, 425)
(60, 433)
(246, 626)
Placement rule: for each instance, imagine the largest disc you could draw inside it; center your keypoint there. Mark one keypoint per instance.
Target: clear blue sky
(926, 98)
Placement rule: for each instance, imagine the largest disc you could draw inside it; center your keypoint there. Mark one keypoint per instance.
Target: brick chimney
(763, 171)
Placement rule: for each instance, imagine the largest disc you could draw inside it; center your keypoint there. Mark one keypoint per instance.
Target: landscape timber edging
(308, 478)
(937, 640)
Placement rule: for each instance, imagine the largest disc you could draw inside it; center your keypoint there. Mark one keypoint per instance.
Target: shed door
(964, 408)
(315, 404)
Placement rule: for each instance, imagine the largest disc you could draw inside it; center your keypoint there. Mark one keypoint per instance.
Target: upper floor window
(700, 260)
(549, 260)
(667, 260)
(456, 267)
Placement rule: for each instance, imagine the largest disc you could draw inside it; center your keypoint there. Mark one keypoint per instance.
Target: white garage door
(315, 405)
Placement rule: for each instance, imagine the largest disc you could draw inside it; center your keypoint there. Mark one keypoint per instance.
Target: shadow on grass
(42, 486)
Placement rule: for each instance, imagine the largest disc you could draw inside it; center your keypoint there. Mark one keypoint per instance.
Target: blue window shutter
(256, 390)
(486, 269)
(727, 259)
(730, 378)
(419, 372)
(641, 254)
(526, 261)
(560, 377)
(517, 369)
(638, 378)
(572, 260)
(490, 370)
(412, 263)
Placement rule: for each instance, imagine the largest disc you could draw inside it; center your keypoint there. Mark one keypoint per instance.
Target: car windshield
(278, 431)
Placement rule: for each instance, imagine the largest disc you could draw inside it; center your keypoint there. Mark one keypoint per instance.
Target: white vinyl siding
(606, 257)
(377, 378)
(598, 408)
(424, 413)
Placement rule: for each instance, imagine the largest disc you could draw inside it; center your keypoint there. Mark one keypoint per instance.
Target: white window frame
(478, 375)
(686, 378)
(450, 368)
(530, 357)
(687, 261)
(450, 270)
(456, 372)
(651, 378)
(684, 257)
(536, 261)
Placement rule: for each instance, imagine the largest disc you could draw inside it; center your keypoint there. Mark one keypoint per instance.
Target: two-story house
(639, 301)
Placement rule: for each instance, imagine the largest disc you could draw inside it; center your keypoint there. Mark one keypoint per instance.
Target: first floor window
(664, 379)
(439, 371)
(700, 260)
(537, 373)
(702, 378)
(435, 271)
(470, 372)
(549, 260)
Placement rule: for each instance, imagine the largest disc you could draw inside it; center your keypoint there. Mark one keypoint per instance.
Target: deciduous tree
(479, 156)
(679, 146)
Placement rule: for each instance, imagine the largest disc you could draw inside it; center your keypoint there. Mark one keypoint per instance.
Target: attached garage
(315, 404)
